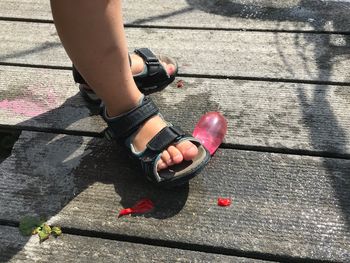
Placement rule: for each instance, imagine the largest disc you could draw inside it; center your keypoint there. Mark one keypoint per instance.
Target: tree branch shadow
(317, 114)
(159, 17)
(23, 53)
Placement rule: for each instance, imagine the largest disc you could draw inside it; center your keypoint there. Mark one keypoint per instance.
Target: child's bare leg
(92, 33)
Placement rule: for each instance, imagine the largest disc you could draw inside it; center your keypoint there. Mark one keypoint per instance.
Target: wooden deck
(278, 70)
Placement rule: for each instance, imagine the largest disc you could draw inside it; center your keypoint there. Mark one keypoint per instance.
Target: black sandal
(122, 129)
(153, 78)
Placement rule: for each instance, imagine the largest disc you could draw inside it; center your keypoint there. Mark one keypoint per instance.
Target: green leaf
(28, 224)
(43, 236)
(56, 231)
(36, 230)
(46, 228)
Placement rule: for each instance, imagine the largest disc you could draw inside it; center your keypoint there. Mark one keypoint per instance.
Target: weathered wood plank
(282, 204)
(234, 14)
(45, 99)
(221, 53)
(282, 115)
(71, 248)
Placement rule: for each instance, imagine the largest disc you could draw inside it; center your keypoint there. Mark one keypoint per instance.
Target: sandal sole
(180, 181)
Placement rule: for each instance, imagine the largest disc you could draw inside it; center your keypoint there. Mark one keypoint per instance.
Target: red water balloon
(211, 130)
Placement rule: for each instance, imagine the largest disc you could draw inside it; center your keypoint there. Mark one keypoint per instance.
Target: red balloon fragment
(141, 207)
(224, 201)
(180, 84)
(124, 212)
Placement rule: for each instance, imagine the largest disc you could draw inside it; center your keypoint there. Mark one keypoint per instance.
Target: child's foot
(137, 66)
(174, 154)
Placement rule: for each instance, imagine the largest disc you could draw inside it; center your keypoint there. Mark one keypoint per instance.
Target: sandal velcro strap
(155, 70)
(164, 138)
(123, 126)
(147, 55)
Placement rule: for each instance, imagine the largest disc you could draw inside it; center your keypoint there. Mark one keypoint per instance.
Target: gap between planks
(46, 21)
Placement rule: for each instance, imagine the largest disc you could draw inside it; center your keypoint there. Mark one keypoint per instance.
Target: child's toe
(170, 68)
(188, 150)
(165, 156)
(175, 154)
(161, 165)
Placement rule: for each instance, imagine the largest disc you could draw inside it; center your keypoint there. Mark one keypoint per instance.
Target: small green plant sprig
(33, 226)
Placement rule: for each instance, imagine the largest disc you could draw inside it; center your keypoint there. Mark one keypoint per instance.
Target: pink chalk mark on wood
(23, 107)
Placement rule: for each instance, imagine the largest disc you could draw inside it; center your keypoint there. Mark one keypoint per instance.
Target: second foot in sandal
(183, 161)
(154, 74)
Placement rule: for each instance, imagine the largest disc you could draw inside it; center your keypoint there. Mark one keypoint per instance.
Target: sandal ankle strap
(123, 126)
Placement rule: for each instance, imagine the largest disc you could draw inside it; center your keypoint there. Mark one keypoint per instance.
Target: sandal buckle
(152, 62)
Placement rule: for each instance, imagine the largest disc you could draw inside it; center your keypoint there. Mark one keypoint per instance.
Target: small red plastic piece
(141, 207)
(224, 201)
(124, 212)
(180, 84)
